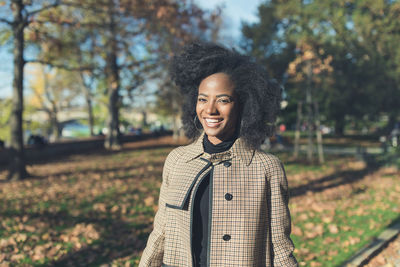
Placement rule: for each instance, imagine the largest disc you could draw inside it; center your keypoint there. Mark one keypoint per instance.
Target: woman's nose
(211, 107)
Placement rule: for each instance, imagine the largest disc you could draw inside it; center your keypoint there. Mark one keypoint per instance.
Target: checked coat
(249, 216)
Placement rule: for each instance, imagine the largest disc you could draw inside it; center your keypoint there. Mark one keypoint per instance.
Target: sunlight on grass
(98, 209)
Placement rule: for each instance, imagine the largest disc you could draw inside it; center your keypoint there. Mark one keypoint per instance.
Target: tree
(5, 114)
(204, 25)
(54, 91)
(310, 69)
(362, 38)
(22, 14)
(131, 39)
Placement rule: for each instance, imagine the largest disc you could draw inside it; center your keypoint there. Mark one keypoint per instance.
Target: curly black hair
(259, 97)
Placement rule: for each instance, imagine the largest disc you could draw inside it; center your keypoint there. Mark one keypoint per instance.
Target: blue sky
(234, 12)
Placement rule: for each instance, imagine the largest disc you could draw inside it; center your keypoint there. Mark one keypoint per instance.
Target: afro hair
(259, 97)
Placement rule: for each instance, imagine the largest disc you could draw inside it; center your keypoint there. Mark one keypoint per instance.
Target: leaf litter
(98, 208)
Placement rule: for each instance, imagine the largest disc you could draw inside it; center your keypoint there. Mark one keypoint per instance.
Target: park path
(388, 257)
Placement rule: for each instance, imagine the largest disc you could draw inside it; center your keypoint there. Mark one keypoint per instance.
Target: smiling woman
(223, 201)
(217, 107)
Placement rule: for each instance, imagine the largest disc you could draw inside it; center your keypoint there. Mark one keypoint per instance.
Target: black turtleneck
(202, 203)
(210, 148)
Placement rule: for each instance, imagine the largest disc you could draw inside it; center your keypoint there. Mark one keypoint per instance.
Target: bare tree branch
(96, 8)
(68, 23)
(6, 21)
(138, 63)
(60, 66)
(55, 4)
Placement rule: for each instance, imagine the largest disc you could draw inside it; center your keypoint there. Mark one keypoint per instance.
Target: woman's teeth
(213, 122)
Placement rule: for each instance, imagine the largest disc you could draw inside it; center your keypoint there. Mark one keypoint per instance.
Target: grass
(98, 208)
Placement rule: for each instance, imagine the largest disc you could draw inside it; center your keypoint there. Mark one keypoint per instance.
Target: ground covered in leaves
(97, 209)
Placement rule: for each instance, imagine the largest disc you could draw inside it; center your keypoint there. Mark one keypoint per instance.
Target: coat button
(228, 196)
(226, 237)
(227, 164)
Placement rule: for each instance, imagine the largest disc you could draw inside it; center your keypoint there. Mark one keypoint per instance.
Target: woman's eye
(224, 100)
(201, 100)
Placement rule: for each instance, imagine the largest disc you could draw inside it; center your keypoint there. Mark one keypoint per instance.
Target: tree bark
(55, 125)
(310, 125)
(321, 158)
(144, 119)
(17, 168)
(89, 105)
(112, 73)
(339, 125)
(112, 139)
(89, 108)
(297, 132)
(87, 90)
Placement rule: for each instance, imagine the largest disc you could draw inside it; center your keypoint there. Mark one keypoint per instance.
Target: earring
(195, 124)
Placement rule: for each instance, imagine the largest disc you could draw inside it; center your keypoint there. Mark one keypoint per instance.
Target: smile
(213, 122)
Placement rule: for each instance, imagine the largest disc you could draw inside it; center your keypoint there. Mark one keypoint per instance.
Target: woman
(223, 202)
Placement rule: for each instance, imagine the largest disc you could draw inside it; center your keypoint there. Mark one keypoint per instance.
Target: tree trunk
(87, 92)
(89, 107)
(54, 123)
(321, 158)
(297, 132)
(339, 125)
(144, 119)
(55, 126)
(112, 72)
(310, 145)
(112, 139)
(17, 168)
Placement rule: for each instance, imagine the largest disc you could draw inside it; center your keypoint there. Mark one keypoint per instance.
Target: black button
(228, 196)
(226, 237)
(227, 164)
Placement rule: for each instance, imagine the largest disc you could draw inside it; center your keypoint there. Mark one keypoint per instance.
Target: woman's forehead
(216, 84)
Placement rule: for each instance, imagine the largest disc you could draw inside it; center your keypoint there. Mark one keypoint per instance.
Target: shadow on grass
(118, 239)
(337, 179)
(105, 172)
(100, 152)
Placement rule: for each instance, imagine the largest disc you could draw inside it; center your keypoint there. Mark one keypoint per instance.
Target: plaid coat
(249, 216)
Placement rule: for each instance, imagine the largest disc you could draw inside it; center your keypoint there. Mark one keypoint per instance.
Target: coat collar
(238, 149)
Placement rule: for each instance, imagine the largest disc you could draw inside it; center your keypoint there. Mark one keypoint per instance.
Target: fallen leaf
(149, 201)
(333, 229)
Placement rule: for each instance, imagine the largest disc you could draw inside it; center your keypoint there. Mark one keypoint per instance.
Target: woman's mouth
(212, 122)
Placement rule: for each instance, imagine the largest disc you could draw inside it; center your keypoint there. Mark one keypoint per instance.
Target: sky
(234, 12)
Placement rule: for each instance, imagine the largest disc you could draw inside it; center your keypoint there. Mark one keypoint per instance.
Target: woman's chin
(212, 131)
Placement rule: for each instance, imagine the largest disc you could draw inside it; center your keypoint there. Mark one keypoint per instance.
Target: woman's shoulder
(266, 158)
(271, 164)
(175, 154)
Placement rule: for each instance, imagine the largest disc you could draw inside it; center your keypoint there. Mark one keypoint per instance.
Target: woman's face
(217, 107)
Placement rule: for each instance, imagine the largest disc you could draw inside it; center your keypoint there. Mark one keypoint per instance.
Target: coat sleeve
(153, 253)
(281, 245)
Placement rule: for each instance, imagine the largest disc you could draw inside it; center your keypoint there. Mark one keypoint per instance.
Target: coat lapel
(186, 171)
(194, 164)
